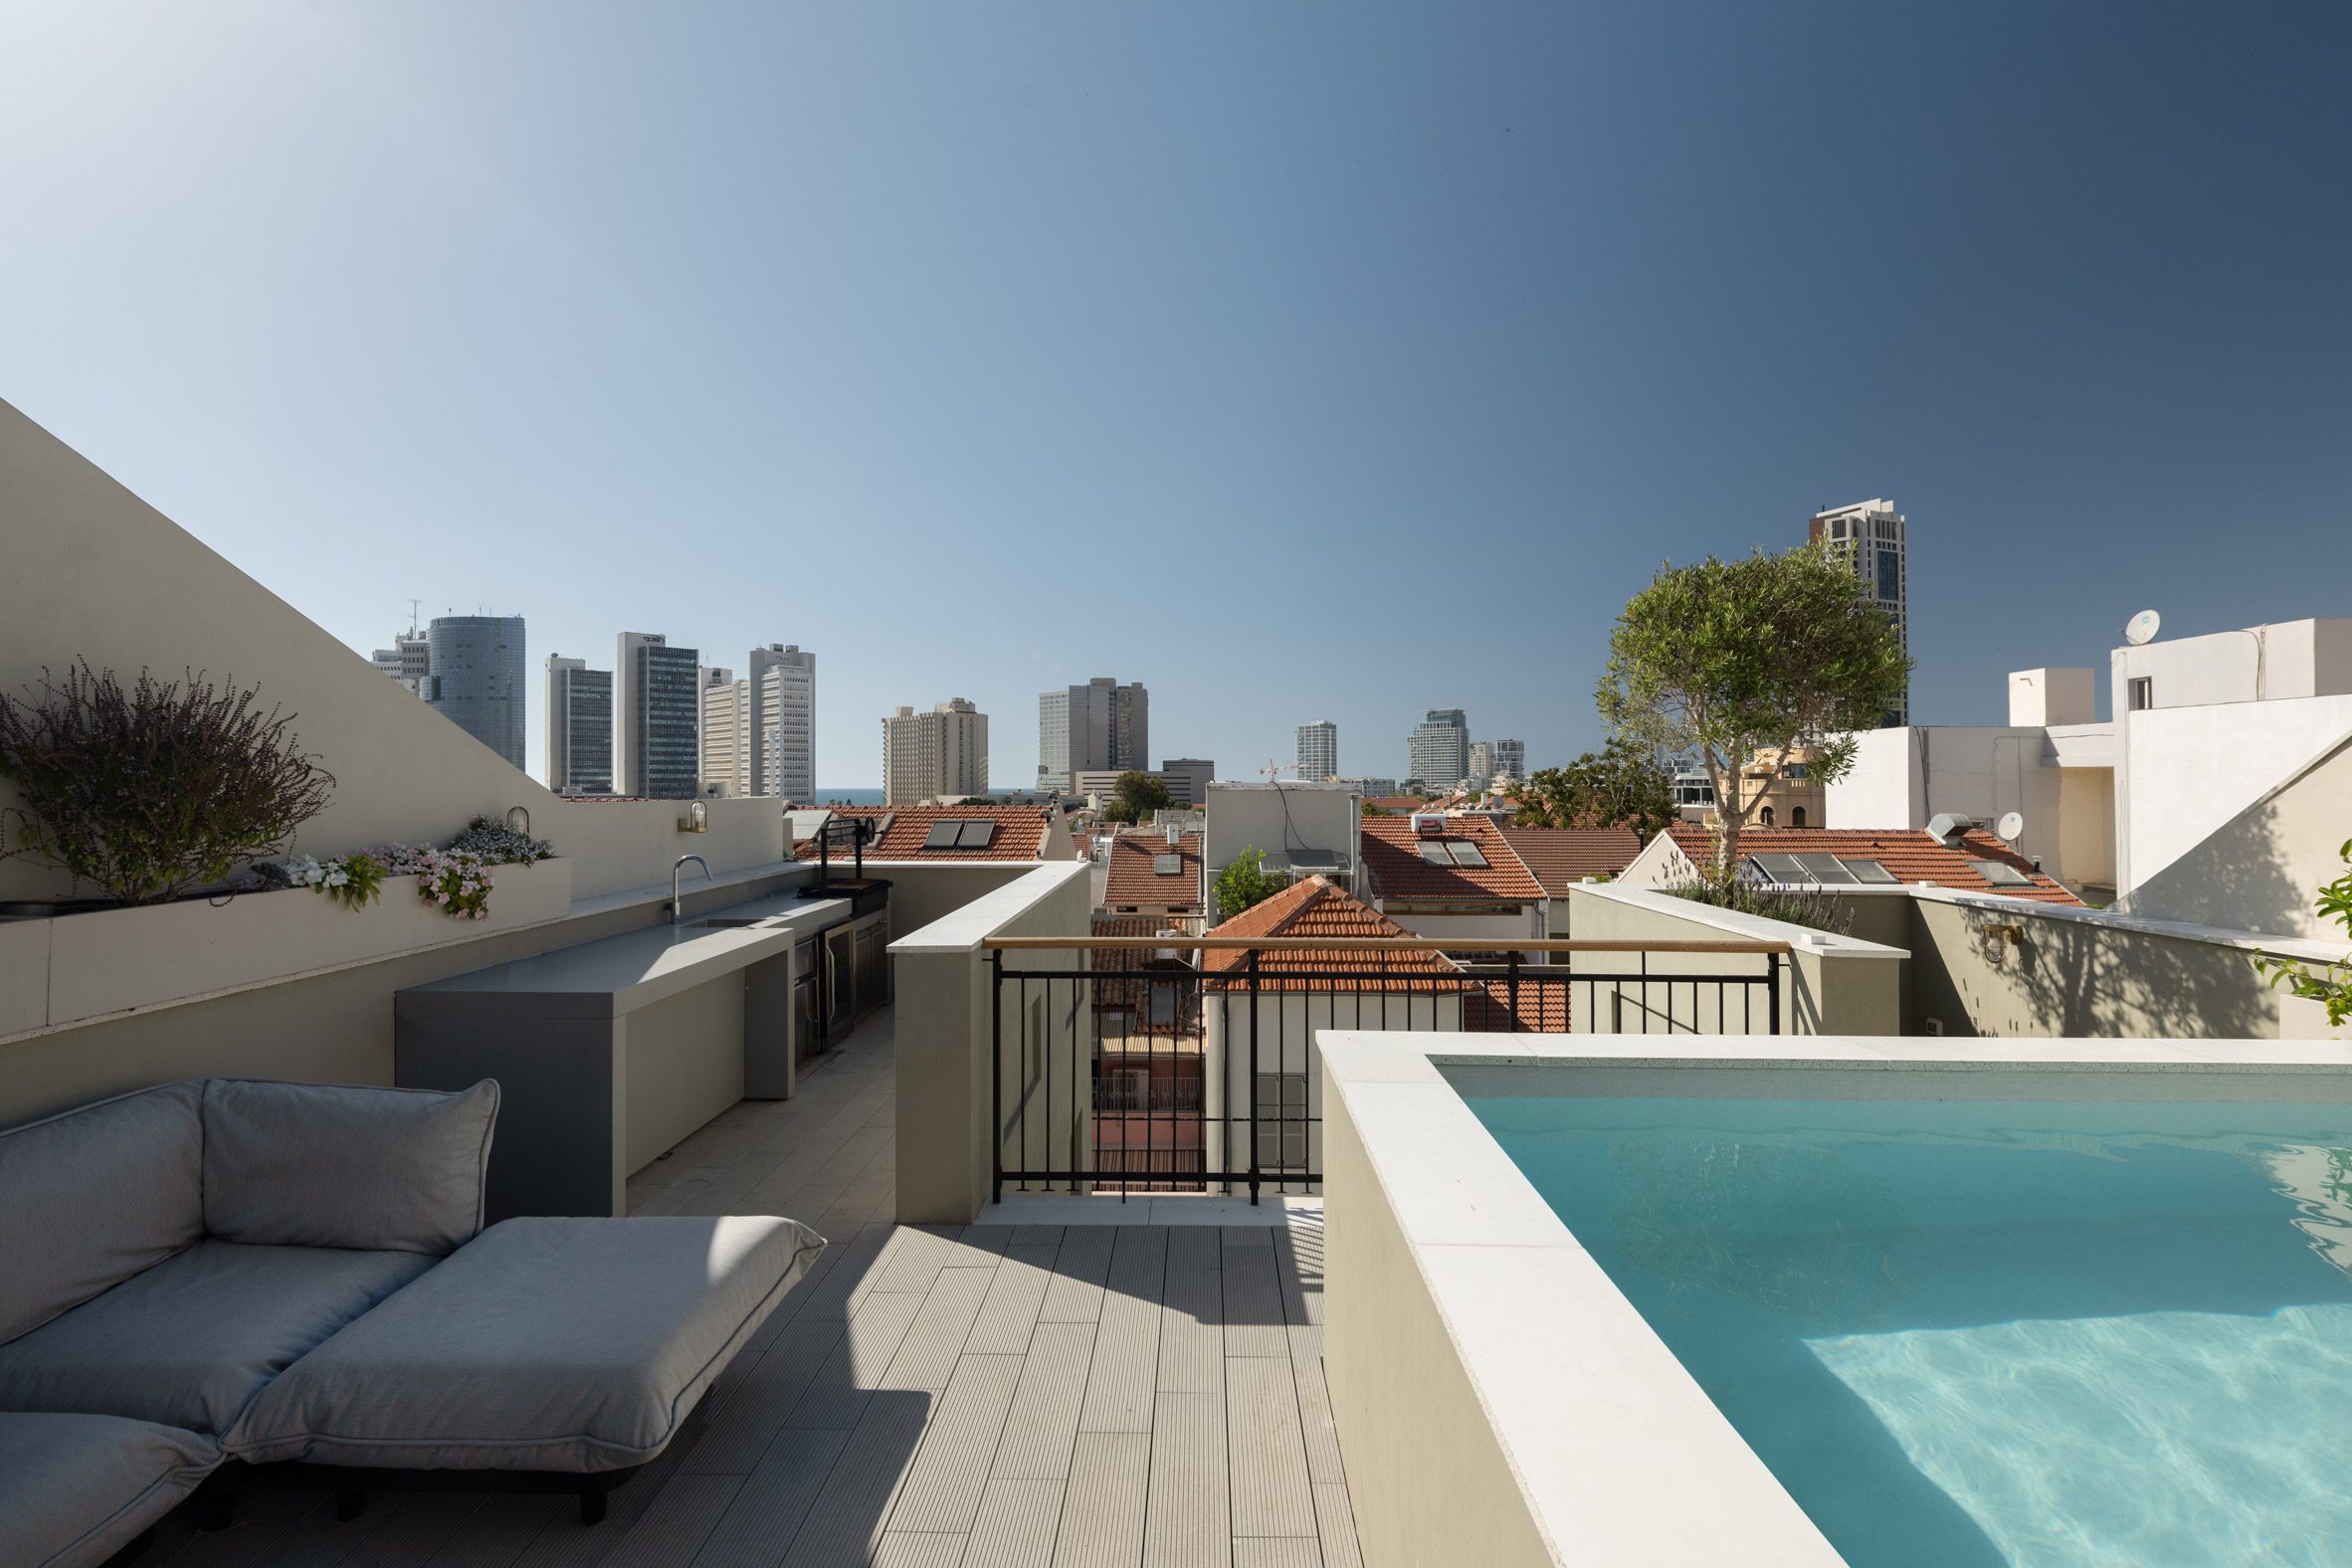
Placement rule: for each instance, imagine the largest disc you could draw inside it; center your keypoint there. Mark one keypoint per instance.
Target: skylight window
(1452, 852)
(1826, 869)
(961, 833)
(1868, 871)
(2000, 873)
(1779, 868)
(942, 835)
(1466, 854)
(1167, 865)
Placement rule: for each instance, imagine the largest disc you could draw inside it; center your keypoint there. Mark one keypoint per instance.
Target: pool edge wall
(1427, 1475)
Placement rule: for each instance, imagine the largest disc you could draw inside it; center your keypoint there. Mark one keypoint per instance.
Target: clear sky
(1300, 360)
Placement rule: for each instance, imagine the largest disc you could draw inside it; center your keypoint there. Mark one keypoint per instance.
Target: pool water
(1973, 1334)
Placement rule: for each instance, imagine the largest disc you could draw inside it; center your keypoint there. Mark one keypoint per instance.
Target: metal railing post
(1772, 988)
(1256, 1007)
(1512, 985)
(996, 1074)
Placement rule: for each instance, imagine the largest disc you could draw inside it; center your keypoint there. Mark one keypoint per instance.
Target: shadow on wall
(2025, 974)
(2262, 870)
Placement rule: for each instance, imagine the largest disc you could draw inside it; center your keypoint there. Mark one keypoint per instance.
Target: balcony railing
(1170, 1063)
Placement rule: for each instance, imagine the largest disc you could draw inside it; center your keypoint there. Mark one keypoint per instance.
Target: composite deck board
(993, 1396)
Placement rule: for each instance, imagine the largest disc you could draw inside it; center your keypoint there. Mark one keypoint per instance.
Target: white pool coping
(1620, 1455)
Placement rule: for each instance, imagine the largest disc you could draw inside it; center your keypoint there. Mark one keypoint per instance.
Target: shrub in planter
(154, 789)
(501, 845)
(1815, 907)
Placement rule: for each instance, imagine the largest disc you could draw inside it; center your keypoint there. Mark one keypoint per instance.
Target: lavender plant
(149, 790)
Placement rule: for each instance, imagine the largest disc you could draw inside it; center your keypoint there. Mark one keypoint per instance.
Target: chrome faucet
(676, 913)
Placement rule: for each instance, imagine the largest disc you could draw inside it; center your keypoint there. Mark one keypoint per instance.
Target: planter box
(123, 958)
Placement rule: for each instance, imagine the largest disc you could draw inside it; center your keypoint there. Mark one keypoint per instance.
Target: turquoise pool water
(1975, 1333)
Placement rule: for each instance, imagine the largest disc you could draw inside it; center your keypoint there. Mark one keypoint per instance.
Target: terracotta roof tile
(1543, 1009)
(1560, 857)
(1131, 991)
(1319, 907)
(1392, 854)
(1910, 855)
(1135, 881)
(1019, 832)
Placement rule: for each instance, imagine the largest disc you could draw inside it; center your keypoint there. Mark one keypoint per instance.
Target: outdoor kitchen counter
(609, 1053)
(620, 974)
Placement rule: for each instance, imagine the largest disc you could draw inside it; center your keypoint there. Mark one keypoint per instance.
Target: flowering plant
(349, 880)
(499, 845)
(457, 881)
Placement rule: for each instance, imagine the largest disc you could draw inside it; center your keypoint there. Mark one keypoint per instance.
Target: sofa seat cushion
(543, 1344)
(189, 1342)
(74, 1489)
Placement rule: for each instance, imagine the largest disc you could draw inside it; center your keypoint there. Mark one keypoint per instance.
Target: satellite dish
(2011, 827)
(2141, 628)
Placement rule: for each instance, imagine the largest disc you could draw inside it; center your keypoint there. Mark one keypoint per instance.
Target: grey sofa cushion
(332, 1165)
(93, 1196)
(546, 1344)
(74, 1489)
(189, 1342)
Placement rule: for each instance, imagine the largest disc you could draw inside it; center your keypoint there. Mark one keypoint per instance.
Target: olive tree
(1725, 659)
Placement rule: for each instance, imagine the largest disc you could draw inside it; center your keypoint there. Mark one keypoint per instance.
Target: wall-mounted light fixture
(523, 826)
(697, 819)
(2014, 935)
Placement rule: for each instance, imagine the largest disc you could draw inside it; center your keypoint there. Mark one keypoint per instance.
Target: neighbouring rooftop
(943, 832)
(1846, 857)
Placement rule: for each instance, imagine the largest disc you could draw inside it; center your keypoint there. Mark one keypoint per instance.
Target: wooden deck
(1008, 1396)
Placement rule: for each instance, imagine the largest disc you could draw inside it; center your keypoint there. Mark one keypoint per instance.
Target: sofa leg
(592, 1504)
(349, 1505)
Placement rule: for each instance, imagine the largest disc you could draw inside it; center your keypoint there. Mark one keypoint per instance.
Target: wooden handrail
(1375, 944)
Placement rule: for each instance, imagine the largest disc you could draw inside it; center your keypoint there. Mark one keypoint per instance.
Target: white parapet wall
(1828, 984)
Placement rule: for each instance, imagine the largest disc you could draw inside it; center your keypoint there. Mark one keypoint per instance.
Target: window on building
(1778, 867)
(1890, 575)
(1768, 816)
(2000, 873)
(1281, 1121)
(2143, 690)
(1167, 865)
(943, 834)
(1823, 868)
(1868, 871)
(1795, 816)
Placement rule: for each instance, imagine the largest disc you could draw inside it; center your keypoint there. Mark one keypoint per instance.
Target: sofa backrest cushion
(337, 1165)
(93, 1196)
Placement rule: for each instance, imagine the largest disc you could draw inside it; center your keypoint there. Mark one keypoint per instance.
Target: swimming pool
(1983, 1332)
(1805, 1302)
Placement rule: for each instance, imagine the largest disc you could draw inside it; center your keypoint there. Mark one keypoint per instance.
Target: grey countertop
(619, 974)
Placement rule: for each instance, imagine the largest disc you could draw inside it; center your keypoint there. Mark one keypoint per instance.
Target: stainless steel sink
(729, 924)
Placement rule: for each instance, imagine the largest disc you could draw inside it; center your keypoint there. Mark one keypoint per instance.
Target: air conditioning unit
(1949, 825)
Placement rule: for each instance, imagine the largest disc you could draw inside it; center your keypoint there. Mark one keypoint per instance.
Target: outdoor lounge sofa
(296, 1277)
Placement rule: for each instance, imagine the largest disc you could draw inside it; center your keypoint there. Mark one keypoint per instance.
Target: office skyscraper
(1318, 751)
(408, 661)
(1872, 534)
(474, 678)
(1494, 759)
(579, 727)
(942, 755)
(783, 700)
(723, 747)
(1439, 747)
(656, 716)
(1091, 728)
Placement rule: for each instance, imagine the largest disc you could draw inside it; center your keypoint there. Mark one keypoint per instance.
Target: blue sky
(1300, 360)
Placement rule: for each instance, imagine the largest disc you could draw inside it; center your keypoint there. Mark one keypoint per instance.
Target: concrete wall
(2261, 870)
(1428, 1478)
(1299, 821)
(945, 1029)
(2088, 975)
(2288, 659)
(1502, 929)
(1830, 984)
(1288, 1026)
(2191, 770)
(1904, 777)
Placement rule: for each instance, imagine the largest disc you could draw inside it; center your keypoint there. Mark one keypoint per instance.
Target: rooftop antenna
(1272, 771)
(2142, 628)
(416, 613)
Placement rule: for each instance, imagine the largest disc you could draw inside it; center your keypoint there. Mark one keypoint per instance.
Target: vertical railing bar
(996, 1077)
(1256, 1006)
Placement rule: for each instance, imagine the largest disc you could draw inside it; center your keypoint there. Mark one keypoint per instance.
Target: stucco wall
(2192, 770)
(2085, 978)
(2262, 870)
(1843, 986)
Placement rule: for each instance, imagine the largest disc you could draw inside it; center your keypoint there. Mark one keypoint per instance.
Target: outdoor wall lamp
(525, 826)
(697, 819)
(2014, 935)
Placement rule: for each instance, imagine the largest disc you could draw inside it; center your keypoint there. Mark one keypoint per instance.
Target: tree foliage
(2329, 984)
(1244, 882)
(1723, 659)
(1135, 796)
(149, 790)
(1621, 785)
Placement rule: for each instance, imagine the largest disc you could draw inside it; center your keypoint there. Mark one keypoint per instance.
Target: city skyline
(1484, 325)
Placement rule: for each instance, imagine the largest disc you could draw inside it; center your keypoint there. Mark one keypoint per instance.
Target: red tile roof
(1911, 854)
(1392, 854)
(1560, 857)
(1135, 880)
(1135, 992)
(1393, 803)
(1543, 1009)
(1319, 907)
(1019, 832)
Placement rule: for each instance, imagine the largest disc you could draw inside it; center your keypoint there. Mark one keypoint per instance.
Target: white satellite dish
(2011, 827)
(2142, 628)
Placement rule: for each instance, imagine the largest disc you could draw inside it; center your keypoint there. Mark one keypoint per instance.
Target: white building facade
(1318, 751)
(938, 755)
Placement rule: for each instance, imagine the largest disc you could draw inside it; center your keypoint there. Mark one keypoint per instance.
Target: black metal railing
(1168, 1064)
